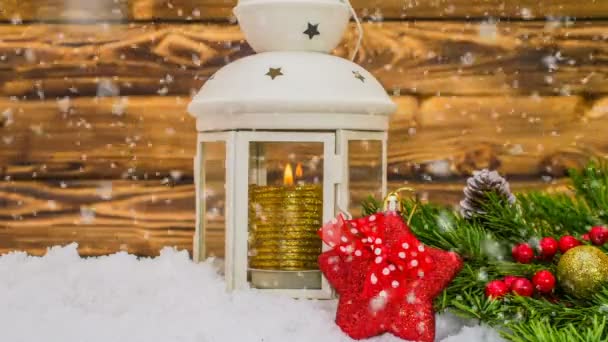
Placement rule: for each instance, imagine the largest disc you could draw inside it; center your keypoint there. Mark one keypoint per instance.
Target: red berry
(548, 247)
(544, 281)
(567, 242)
(522, 287)
(496, 289)
(585, 236)
(509, 280)
(598, 235)
(523, 253)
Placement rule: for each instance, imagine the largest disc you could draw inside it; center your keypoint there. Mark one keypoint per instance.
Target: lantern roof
(295, 85)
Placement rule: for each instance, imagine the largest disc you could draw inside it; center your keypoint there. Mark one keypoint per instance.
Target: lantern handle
(359, 30)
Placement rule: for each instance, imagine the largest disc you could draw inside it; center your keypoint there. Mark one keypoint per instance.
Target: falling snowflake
(30, 55)
(163, 91)
(176, 175)
(488, 30)
(119, 106)
(379, 302)
(493, 249)
(439, 168)
(467, 59)
(64, 104)
(445, 222)
(107, 88)
(16, 20)
(526, 13)
(7, 117)
(104, 190)
(482, 275)
(51, 204)
(37, 129)
(550, 62)
(411, 298)
(8, 139)
(87, 215)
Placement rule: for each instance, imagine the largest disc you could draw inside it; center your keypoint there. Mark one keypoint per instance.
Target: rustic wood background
(96, 146)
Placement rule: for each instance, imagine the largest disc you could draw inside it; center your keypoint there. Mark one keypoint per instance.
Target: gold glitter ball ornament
(582, 270)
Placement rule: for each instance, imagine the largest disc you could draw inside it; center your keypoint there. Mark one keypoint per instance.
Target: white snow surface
(65, 298)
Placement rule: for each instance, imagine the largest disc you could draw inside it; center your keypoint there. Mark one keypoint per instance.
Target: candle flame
(299, 171)
(288, 175)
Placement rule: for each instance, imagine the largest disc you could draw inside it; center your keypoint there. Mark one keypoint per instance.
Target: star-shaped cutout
(274, 73)
(404, 309)
(359, 76)
(312, 31)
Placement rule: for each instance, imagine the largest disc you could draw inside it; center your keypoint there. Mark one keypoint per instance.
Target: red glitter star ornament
(385, 277)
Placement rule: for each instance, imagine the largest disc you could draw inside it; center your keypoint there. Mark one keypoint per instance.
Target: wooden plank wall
(96, 146)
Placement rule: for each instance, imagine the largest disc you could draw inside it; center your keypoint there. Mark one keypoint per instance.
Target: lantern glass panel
(213, 219)
(285, 212)
(365, 172)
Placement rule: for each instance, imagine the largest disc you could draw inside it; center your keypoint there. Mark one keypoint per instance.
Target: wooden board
(134, 138)
(423, 58)
(46, 61)
(192, 10)
(436, 138)
(102, 216)
(140, 217)
(523, 137)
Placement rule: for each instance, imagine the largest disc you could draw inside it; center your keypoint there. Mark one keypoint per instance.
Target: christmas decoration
(598, 235)
(522, 287)
(385, 277)
(523, 253)
(544, 281)
(548, 247)
(496, 289)
(567, 242)
(508, 280)
(556, 315)
(582, 270)
(478, 189)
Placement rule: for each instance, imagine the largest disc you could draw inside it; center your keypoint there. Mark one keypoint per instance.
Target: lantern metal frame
(335, 192)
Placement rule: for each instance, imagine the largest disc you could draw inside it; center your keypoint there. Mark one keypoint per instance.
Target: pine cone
(479, 187)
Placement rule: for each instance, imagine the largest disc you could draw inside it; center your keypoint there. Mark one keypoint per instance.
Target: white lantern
(287, 139)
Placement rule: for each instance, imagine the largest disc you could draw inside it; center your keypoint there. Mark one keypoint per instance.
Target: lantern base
(290, 280)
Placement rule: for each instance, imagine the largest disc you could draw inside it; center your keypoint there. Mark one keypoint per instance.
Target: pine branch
(557, 215)
(370, 206)
(521, 270)
(541, 330)
(592, 184)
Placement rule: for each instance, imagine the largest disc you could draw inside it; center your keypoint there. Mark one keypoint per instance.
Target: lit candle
(283, 224)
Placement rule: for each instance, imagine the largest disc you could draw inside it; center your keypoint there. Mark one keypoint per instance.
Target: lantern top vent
(293, 25)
